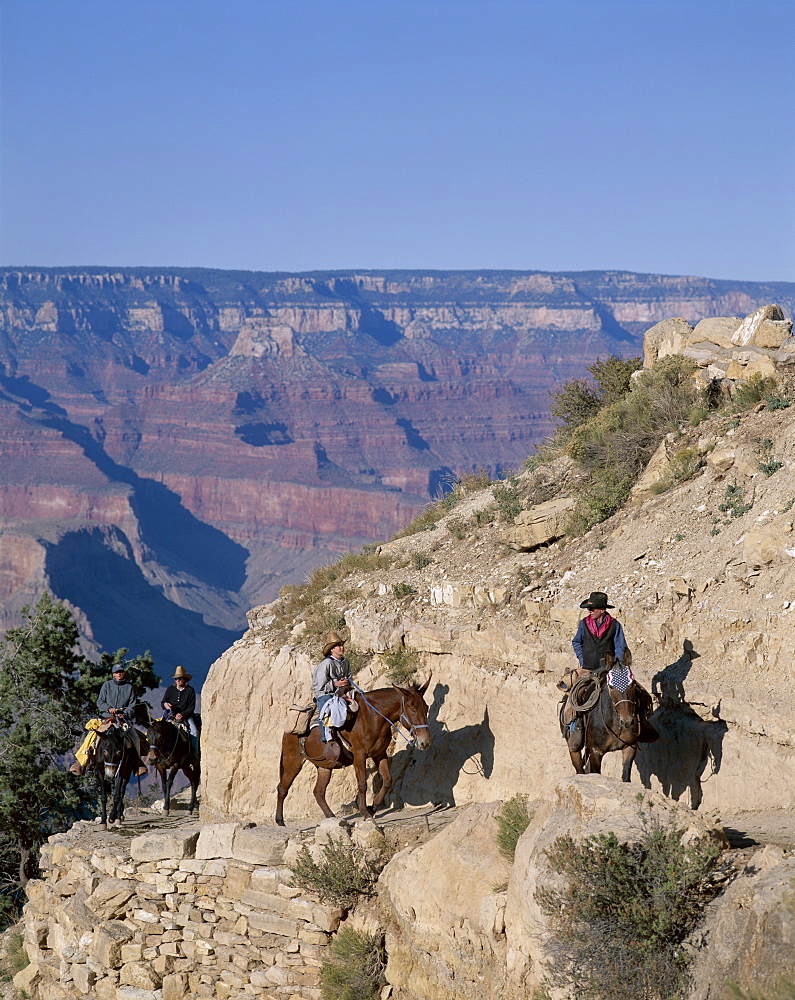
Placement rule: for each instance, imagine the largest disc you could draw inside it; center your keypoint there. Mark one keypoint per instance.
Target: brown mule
(369, 733)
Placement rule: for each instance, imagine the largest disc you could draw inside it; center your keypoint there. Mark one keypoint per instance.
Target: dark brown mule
(616, 722)
(369, 733)
(170, 751)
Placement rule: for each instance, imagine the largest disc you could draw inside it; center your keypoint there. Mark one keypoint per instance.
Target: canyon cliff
(177, 444)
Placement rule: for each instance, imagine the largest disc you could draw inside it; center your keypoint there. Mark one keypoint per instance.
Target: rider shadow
(431, 776)
(688, 743)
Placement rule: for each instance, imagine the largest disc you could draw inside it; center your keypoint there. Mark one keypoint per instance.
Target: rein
(605, 723)
(401, 719)
(168, 759)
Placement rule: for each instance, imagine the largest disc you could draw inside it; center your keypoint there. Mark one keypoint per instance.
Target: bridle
(167, 760)
(402, 718)
(621, 723)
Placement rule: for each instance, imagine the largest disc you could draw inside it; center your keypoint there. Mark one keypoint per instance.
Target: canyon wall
(195, 439)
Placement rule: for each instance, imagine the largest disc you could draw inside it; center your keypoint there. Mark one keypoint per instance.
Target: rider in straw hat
(331, 676)
(180, 701)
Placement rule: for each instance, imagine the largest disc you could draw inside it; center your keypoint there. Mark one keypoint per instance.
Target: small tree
(47, 690)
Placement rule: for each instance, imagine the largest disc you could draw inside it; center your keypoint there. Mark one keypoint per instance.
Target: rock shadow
(689, 745)
(430, 776)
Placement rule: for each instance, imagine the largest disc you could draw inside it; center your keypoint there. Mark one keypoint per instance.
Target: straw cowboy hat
(596, 600)
(181, 672)
(332, 640)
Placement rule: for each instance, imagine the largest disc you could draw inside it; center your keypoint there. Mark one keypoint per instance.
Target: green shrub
(753, 391)
(613, 376)
(403, 589)
(419, 560)
(402, 665)
(767, 464)
(340, 878)
(734, 502)
(697, 415)
(684, 465)
(625, 909)
(512, 821)
(508, 500)
(353, 967)
(574, 404)
(775, 402)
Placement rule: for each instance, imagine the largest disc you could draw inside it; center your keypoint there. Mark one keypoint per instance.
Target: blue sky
(648, 135)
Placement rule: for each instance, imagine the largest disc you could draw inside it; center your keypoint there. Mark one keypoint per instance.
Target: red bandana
(600, 629)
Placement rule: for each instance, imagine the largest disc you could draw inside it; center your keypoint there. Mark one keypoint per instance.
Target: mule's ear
(424, 687)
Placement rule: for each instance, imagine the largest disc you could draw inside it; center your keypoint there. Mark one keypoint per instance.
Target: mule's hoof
(103, 826)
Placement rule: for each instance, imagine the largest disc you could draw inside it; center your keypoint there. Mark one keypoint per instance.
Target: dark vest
(594, 649)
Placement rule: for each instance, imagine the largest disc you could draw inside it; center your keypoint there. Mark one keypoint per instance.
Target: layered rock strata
(237, 429)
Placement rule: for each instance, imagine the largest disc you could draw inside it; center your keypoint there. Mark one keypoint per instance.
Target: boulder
(539, 525)
(721, 459)
(717, 330)
(27, 979)
(655, 472)
(109, 899)
(670, 336)
(767, 327)
(767, 542)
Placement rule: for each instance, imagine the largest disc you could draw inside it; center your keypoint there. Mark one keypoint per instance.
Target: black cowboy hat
(596, 600)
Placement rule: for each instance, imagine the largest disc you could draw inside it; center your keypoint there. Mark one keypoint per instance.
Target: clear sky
(648, 135)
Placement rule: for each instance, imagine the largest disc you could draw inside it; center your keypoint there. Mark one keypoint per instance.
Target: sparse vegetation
(684, 465)
(353, 967)
(419, 560)
(512, 821)
(15, 958)
(620, 920)
(784, 990)
(340, 878)
(457, 528)
(306, 600)
(753, 391)
(734, 502)
(775, 402)
(767, 464)
(507, 499)
(403, 589)
(613, 447)
(402, 665)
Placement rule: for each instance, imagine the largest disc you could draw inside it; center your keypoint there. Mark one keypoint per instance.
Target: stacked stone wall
(202, 911)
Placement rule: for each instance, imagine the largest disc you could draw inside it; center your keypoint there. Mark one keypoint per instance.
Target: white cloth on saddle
(335, 711)
(620, 677)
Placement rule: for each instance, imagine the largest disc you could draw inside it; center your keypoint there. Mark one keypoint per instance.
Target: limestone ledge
(195, 911)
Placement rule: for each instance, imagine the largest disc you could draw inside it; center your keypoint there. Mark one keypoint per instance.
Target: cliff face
(199, 438)
(702, 576)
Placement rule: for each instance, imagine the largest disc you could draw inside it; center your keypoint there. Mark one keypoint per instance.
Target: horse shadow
(431, 776)
(688, 743)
